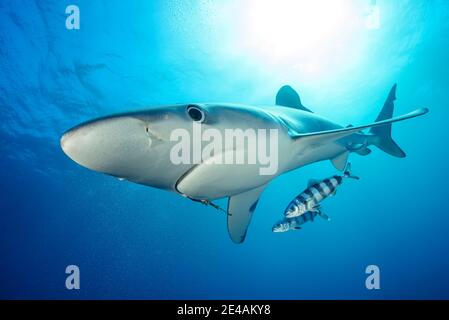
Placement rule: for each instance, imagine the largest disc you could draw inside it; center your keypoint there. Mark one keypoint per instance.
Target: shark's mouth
(181, 178)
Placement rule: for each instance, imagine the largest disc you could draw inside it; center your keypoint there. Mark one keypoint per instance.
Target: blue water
(131, 241)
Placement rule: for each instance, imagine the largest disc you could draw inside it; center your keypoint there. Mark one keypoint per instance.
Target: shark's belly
(210, 180)
(214, 182)
(320, 153)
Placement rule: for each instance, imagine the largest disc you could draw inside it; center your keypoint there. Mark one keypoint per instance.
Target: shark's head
(130, 145)
(137, 146)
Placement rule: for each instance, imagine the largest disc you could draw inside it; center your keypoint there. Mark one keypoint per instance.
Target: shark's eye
(196, 113)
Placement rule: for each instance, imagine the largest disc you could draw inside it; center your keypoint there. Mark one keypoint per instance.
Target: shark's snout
(107, 145)
(80, 143)
(67, 143)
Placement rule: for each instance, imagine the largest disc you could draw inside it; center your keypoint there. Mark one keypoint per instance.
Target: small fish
(317, 191)
(294, 223)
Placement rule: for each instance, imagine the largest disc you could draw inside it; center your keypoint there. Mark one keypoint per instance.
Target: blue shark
(136, 146)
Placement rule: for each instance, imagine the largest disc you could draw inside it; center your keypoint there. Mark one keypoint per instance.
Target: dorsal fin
(288, 97)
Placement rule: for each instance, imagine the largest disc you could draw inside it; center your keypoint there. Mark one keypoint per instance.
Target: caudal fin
(382, 135)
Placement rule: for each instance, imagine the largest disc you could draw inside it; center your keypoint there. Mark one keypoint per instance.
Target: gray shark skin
(136, 146)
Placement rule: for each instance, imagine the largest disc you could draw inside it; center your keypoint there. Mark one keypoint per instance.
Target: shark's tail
(381, 136)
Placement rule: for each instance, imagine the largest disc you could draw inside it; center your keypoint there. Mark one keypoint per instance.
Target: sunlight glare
(308, 35)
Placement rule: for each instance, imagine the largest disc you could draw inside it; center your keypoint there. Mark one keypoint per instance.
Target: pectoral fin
(323, 137)
(340, 161)
(240, 210)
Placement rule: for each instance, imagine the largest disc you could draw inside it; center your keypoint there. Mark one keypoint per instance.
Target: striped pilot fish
(294, 223)
(317, 191)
